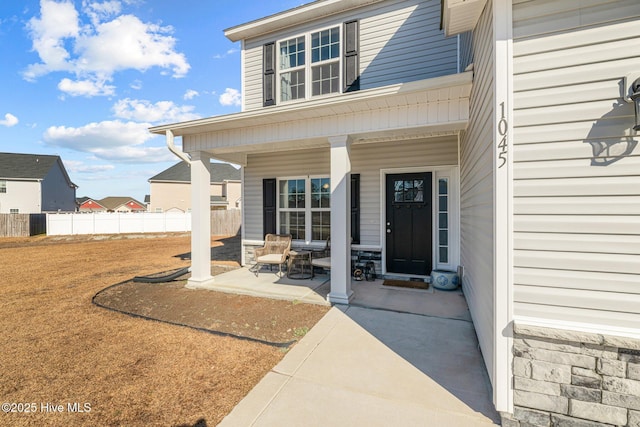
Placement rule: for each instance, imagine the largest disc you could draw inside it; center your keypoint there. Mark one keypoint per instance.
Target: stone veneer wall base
(563, 378)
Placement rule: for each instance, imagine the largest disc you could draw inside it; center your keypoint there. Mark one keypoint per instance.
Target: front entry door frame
(452, 173)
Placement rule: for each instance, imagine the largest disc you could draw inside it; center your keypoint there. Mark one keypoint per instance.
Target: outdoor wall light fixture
(635, 98)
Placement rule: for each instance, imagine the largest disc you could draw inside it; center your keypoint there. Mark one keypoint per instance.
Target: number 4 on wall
(503, 129)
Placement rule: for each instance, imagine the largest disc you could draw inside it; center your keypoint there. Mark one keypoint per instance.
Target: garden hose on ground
(162, 279)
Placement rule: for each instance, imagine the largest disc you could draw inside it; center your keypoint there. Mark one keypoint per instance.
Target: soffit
(440, 89)
(459, 16)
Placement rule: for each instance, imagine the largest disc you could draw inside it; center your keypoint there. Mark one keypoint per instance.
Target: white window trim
(308, 210)
(308, 65)
(453, 210)
(311, 210)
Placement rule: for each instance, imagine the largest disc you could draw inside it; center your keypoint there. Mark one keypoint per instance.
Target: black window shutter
(269, 195)
(355, 208)
(351, 61)
(269, 74)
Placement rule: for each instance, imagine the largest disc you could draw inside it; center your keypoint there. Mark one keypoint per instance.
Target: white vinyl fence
(117, 223)
(223, 223)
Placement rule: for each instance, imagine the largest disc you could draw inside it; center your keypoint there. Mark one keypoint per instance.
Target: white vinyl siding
(26, 196)
(576, 210)
(476, 193)
(466, 50)
(275, 165)
(366, 160)
(399, 42)
(402, 43)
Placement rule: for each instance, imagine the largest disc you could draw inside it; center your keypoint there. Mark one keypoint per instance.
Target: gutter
(171, 146)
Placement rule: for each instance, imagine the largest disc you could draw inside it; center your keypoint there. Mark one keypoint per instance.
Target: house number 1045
(503, 129)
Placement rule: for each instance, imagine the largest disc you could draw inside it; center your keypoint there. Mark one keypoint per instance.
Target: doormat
(406, 284)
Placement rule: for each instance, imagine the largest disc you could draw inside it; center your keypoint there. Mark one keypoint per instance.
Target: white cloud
(76, 166)
(227, 53)
(86, 88)
(231, 97)
(98, 135)
(9, 120)
(99, 12)
(94, 51)
(190, 94)
(128, 43)
(110, 140)
(161, 111)
(136, 85)
(136, 154)
(58, 21)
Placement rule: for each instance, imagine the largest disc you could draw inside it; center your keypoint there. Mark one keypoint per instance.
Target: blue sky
(85, 80)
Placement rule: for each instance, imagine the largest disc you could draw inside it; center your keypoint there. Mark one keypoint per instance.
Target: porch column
(200, 219)
(341, 291)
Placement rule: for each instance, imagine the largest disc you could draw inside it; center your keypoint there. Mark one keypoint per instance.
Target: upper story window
(325, 62)
(3, 186)
(319, 65)
(313, 64)
(292, 69)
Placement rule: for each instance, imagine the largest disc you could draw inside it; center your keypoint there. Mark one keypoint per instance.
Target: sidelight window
(443, 220)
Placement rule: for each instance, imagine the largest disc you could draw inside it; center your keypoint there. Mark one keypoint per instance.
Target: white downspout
(174, 149)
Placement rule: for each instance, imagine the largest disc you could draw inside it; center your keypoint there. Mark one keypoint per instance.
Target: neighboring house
(122, 204)
(171, 188)
(35, 183)
(87, 204)
(500, 145)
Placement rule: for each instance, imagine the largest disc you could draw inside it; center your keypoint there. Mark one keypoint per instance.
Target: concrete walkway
(369, 367)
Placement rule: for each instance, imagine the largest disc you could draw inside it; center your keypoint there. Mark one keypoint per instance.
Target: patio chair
(322, 258)
(274, 252)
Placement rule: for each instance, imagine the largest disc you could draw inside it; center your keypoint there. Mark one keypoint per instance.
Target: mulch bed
(270, 321)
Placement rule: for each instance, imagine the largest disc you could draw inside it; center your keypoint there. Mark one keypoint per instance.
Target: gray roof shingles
(30, 166)
(181, 172)
(25, 166)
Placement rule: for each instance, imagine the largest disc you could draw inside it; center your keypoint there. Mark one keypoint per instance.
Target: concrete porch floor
(394, 356)
(431, 302)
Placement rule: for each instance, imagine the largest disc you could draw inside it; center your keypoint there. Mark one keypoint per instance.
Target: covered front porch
(408, 132)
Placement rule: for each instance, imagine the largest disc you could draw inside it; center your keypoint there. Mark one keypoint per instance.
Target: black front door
(408, 223)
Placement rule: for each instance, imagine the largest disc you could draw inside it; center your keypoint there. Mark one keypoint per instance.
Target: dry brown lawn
(57, 348)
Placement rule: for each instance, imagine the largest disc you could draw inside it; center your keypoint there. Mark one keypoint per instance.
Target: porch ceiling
(426, 108)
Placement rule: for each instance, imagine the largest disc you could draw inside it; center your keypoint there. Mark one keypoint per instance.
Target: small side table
(299, 265)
